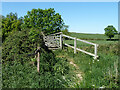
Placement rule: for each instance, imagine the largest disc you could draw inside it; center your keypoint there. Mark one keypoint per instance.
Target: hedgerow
(18, 72)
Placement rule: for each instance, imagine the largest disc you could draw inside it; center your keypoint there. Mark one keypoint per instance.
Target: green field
(96, 73)
(99, 39)
(90, 36)
(70, 70)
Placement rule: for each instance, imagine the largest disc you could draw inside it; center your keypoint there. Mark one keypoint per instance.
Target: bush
(26, 76)
(18, 45)
(19, 73)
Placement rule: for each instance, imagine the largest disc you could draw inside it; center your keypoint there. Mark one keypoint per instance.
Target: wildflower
(93, 85)
(63, 77)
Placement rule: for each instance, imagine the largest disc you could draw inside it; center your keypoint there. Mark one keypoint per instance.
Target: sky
(81, 17)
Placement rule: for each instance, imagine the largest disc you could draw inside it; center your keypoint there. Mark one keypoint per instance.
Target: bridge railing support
(60, 41)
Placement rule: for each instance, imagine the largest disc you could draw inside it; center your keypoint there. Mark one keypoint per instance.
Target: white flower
(93, 85)
(97, 60)
(101, 87)
(64, 77)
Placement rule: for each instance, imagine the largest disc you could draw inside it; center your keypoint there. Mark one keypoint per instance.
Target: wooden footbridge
(55, 41)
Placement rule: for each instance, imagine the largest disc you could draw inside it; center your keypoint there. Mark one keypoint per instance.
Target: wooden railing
(75, 45)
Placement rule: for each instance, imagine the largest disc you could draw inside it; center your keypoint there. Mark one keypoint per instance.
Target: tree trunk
(110, 38)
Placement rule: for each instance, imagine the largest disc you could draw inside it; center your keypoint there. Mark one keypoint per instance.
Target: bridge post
(95, 51)
(75, 44)
(60, 41)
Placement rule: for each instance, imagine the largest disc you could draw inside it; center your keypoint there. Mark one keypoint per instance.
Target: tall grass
(100, 73)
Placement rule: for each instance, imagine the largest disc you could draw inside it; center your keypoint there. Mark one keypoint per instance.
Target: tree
(110, 31)
(10, 23)
(65, 30)
(47, 20)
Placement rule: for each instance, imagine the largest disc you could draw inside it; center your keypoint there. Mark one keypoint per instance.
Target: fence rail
(75, 45)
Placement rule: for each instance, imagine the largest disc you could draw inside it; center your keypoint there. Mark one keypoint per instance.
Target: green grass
(99, 39)
(97, 73)
(91, 36)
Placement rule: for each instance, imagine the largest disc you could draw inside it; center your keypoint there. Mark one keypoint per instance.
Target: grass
(99, 39)
(91, 36)
(100, 73)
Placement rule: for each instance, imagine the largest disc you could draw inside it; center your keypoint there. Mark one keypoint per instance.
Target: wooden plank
(86, 42)
(60, 41)
(75, 44)
(85, 52)
(56, 33)
(69, 45)
(95, 51)
(68, 36)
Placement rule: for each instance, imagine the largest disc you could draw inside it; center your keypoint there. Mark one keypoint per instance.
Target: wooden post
(75, 45)
(38, 60)
(60, 41)
(95, 57)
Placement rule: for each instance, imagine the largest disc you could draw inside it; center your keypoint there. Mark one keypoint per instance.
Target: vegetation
(100, 73)
(65, 30)
(60, 68)
(10, 23)
(18, 51)
(110, 31)
(46, 20)
(20, 72)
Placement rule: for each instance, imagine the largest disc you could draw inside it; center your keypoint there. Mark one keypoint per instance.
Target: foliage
(18, 45)
(65, 30)
(110, 31)
(10, 23)
(18, 72)
(47, 20)
(26, 76)
(1, 25)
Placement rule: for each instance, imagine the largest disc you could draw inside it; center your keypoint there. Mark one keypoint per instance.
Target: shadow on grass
(112, 39)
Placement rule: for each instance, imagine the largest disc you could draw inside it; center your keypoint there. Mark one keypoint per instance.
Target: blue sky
(82, 17)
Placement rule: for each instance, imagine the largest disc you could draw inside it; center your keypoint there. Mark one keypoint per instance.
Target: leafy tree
(1, 25)
(10, 23)
(65, 30)
(110, 31)
(47, 20)
(17, 46)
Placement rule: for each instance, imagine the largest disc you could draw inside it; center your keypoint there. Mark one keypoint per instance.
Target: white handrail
(75, 44)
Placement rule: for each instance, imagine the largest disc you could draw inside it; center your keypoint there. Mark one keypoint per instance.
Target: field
(100, 73)
(70, 70)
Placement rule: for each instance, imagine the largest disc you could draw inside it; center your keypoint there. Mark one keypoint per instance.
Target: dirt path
(77, 70)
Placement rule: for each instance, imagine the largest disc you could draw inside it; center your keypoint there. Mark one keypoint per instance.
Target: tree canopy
(47, 20)
(110, 31)
(10, 23)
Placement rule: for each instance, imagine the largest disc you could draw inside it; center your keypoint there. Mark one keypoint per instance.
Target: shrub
(19, 73)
